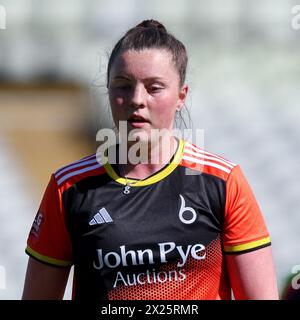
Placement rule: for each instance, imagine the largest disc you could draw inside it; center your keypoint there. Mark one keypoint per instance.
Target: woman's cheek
(166, 108)
(117, 101)
(164, 118)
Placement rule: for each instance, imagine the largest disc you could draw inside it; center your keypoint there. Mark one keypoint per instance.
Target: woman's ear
(182, 96)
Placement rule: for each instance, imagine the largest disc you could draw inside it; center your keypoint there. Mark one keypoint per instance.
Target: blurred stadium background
(244, 77)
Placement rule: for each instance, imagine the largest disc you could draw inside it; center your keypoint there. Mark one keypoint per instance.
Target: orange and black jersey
(165, 239)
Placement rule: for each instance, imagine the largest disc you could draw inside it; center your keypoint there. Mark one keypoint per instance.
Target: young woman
(181, 224)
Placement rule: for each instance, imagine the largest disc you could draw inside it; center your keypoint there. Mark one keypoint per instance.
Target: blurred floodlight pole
(2, 17)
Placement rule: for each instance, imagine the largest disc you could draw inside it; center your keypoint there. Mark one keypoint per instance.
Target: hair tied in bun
(151, 24)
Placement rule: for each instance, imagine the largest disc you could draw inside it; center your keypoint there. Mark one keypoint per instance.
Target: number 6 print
(184, 209)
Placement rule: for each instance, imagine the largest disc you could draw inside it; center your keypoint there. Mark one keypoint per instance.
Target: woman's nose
(138, 96)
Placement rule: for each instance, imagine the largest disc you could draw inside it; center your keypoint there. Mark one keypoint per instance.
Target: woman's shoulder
(199, 159)
(77, 170)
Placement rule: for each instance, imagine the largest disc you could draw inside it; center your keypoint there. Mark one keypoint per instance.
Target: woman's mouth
(137, 121)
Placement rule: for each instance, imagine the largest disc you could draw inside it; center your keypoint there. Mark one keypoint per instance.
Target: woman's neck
(157, 156)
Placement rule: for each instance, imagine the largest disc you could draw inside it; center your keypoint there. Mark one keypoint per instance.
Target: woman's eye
(123, 86)
(155, 89)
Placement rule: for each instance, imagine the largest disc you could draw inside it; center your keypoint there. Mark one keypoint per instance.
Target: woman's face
(144, 91)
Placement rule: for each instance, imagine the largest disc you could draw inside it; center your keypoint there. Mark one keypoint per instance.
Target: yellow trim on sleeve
(56, 262)
(247, 246)
(153, 179)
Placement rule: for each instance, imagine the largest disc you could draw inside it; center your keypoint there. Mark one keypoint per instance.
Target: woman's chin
(139, 135)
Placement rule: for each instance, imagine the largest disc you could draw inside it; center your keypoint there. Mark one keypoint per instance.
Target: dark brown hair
(151, 34)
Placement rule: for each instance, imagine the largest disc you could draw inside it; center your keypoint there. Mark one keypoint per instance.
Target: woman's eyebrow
(145, 80)
(121, 77)
(154, 79)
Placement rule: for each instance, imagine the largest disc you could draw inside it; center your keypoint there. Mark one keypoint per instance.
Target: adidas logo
(101, 217)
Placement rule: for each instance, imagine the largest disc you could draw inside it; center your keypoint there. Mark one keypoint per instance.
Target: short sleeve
(244, 226)
(49, 240)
